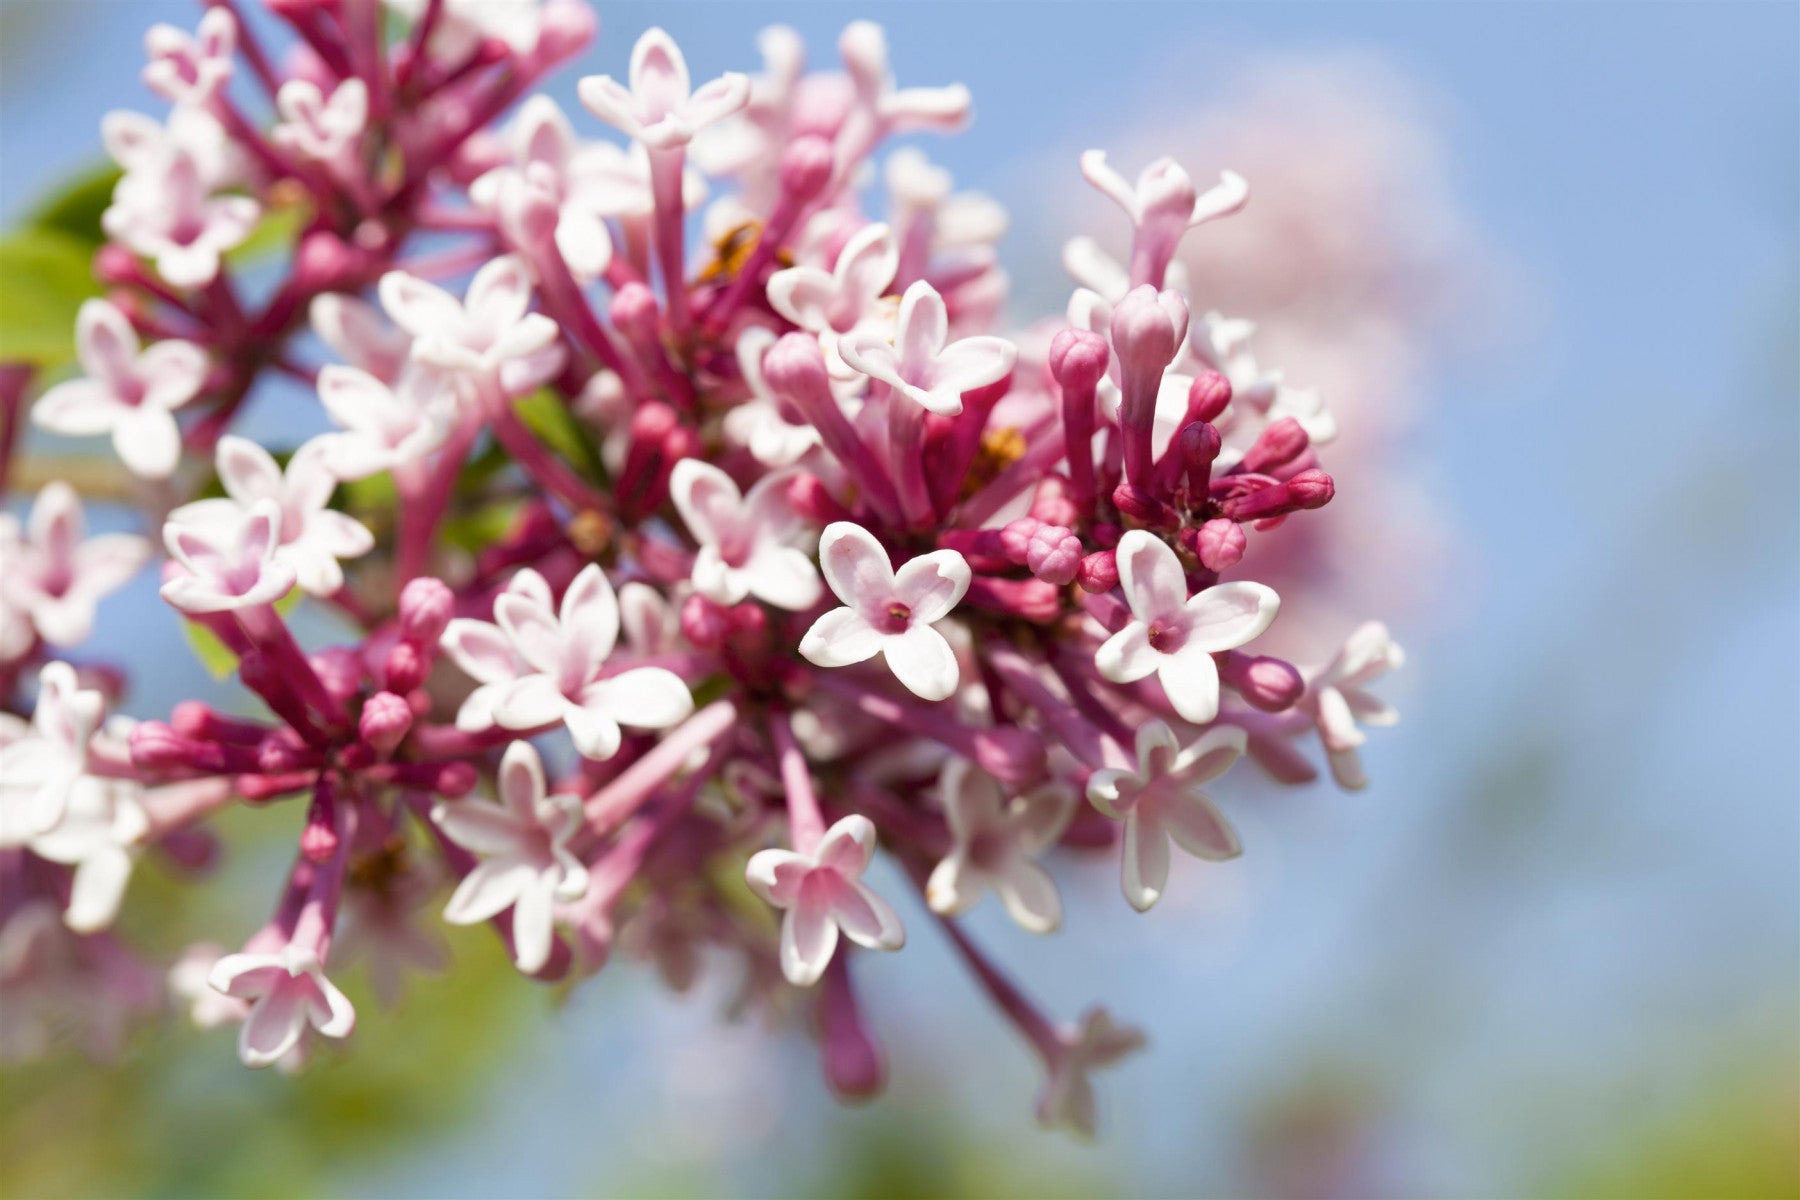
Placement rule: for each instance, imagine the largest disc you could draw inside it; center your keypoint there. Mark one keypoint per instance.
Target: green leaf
(76, 209)
(547, 416)
(45, 274)
(276, 232)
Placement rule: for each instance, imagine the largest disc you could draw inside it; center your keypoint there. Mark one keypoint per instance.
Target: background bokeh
(1544, 260)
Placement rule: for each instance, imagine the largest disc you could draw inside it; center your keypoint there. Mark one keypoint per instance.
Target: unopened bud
(386, 718)
(806, 167)
(1078, 359)
(704, 623)
(1207, 396)
(1054, 554)
(426, 606)
(1267, 683)
(1219, 544)
(1098, 573)
(1281, 442)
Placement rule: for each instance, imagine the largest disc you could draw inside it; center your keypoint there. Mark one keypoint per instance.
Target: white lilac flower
(847, 299)
(1338, 699)
(888, 612)
(523, 845)
(126, 390)
(97, 835)
(231, 560)
(313, 536)
(489, 330)
(287, 991)
(41, 765)
(486, 654)
(921, 363)
(546, 152)
(168, 213)
(188, 68)
(1174, 636)
(142, 145)
(385, 426)
(316, 126)
(823, 892)
(567, 649)
(1161, 801)
(745, 541)
(996, 841)
(1067, 1099)
(55, 576)
(661, 109)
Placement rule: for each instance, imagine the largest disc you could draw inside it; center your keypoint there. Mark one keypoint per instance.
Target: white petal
(922, 660)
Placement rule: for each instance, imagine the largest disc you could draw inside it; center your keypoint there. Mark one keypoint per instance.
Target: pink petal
(847, 846)
(481, 650)
(329, 1009)
(607, 99)
(924, 325)
(533, 925)
(595, 734)
(589, 618)
(106, 343)
(148, 442)
(480, 827)
(1190, 679)
(659, 75)
(1127, 656)
(172, 373)
(418, 307)
(1197, 826)
(841, 638)
(866, 265)
(247, 470)
(933, 584)
(867, 919)
(803, 295)
(709, 502)
(530, 703)
(521, 781)
(78, 408)
(776, 876)
(1156, 749)
(273, 1026)
(856, 567)
(808, 938)
(500, 294)
(784, 577)
(535, 633)
(488, 890)
(1146, 862)
(1030, 896)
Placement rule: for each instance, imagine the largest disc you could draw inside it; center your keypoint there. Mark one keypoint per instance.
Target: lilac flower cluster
(789, 560)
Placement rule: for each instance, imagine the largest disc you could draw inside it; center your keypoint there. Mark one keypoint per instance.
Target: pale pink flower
(170, 214)
(892, 109)
(1258, 397)
(320, 127)
(650, 624)
(488, 331)
(55, 577)
(41, 767)
(1174, 636)
(1161, 800)
(823, 892)
(1338, 699)
(207, 1009)
(523, 844)
(188, 68)
(98, 836)
(745, 541)
(357, 332)
(287, 991)
(142, 145)
(386, 426)
(845, 300)
(486, 654)
(232, 560)
(1067, 1099)
(660, 109)
(547, 155)
(566, 650)
(996, 844)
(128, 392)
(921, 363)
(888, 612)
(758, 424)
(313, 536)
(1162, 206)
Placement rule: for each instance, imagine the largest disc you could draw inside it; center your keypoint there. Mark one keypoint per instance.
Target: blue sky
(1579, 855)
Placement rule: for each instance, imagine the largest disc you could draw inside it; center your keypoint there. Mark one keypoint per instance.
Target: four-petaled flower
(1162, 206)
(486, 655)
(231, 560)
(170, 214)
(823, 892)
(40, 768)
(384, 427)
(188, 68)
(312, 535)
(888, 612)
(321, 127)
(54, 577)
(1337, 698)
(288, 991)
(996, 844)
(1161, 800)
(523, 844)
(566, 650)
(1174, 636)
(1067, 1099)
(547, 154)
(660, 109)
(744, 540)
(847, 299)
(489, 332)
(919, 364)
(127, 392)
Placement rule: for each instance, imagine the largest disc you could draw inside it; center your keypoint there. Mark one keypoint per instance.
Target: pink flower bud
(635, 312)
(806, 167)
(324, 262)
(1207, 396)
(1054, 554)
(1267, 683)
(386, 718)
(1141, 506)
(1280, 443)
(406, 667)
(1219, 544)
(1098, 573)
(704, 623)
(1015, 538)
(114, 265)
(426, 606)
(155, 745)
(794, 367)
(1053, 503)
(1147, 329)
(1078, 359)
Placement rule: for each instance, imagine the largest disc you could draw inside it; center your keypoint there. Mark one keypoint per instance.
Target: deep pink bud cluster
(673, 542)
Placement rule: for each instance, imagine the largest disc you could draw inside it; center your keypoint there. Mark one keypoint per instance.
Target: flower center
(897, 617)
(1166, 638)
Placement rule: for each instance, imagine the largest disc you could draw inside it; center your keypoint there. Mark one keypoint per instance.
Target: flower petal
(1151, 577)
(1145, 867)
(922, 659)
(1228, 615)
(841, 638)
